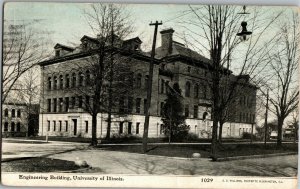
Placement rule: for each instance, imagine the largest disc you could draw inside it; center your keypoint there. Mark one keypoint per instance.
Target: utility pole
(266, 118)
(149, 88)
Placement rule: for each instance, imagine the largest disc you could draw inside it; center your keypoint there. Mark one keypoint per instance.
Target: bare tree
(284, 88)
(23, 47)
(213, 29)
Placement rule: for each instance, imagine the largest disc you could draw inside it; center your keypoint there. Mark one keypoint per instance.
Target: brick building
(63, 111)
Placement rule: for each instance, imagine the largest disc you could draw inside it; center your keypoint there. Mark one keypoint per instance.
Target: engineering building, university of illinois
(63, 113)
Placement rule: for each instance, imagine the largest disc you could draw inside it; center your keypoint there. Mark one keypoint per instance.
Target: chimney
(167, 40)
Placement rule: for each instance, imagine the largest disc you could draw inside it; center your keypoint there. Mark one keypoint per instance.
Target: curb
(256, 156)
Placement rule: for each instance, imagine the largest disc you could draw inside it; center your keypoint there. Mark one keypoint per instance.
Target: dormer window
(84, 45)
(57, 53)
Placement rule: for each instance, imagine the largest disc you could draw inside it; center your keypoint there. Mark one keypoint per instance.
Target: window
(130, 104)
(196, 111)
(57, 53)
(88, 78)
(80, 101)
(6, 126)
(54, 104)
(12, 127)
(49, 105)
(196, 91)
(167, 87)
(49, 83)
(204, 92)
(138, 105)
(187, 89)
(60, 106)
(54, 125)
(67, 81)
(86, 126)
(73, 80)
(60, 126)
(121, 127)
(146, 81)
(18, 113)
(161, 130)
(66, 126)
(162, 104)
(87, 102)
(6, 112)
(139, 80)
(67, 104)
(13, 113)
(61, 82)
(48, 125)
(186, 111)
(55, 83)
(137, 129)
(129, 127)
(121, 104)
(162, 86)
(80, 79)
(145, 106)
(73, 102)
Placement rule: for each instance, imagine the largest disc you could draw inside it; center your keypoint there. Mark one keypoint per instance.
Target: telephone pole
(149, 88)
(266, 118)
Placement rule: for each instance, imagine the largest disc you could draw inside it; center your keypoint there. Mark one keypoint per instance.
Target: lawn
(186, 151)
(39, 164)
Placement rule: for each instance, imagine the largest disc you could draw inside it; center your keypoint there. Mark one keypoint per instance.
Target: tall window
(87, 101)
(61, 82)
(195, 111)
(54, 125)
(130, 104)
(187, 89)
(55, 83)
(54, 104)
(13, 113)
(6, 126)
(88, 78)
(129, 127)
(49, 105)
(121, 127)
(66, 126)
(80, 101)
(67, 104)
(80, 79)
(49, 83)
(162, 108)
(18, 113)
(146, 81)
(196, 91)
(60, 125)
(186, 110)
(139, 80)
(145, 106)
(67, 81)
(73, 102)
(48, 125)
(73, 80)
(6, 112)
(86, 126)
(60, 105)
(137, 129)
(204, 91)
(162, 86)
(138, 105)
(12, 127)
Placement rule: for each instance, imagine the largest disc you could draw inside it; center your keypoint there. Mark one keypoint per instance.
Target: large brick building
(63, 112)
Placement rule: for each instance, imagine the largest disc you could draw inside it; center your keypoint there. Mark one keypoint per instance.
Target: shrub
(248, 136)
(192, 137)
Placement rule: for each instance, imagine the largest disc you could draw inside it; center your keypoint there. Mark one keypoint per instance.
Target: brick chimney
(167, 40)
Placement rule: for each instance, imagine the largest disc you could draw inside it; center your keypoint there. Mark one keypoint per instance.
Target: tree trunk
(279, 134)
(94, 130)
(220, 132)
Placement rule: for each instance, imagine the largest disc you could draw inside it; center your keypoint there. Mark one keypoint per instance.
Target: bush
(192, 137)
(248, 136)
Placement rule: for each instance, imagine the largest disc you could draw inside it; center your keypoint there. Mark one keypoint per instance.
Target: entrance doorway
(75, 126)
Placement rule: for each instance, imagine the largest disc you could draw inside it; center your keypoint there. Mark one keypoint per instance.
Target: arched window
(6, 112)
(18, 127)
(49, 83)
(6, 126)
(73, 80)
(187, 89)
(67, 81)
(139, 80)
(61, 82)
(81, 79)
(88, 77)
(55, 83)
(18, 113)
(12, 127)
(196, 91)
(13, 113)
(204, 91)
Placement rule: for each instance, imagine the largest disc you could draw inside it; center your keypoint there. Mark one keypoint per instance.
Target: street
(114, 162)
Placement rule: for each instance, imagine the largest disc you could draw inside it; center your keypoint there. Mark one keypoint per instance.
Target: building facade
(64, 110)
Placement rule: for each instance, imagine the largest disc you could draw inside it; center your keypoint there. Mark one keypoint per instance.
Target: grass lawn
(226, 150)
(38, 164)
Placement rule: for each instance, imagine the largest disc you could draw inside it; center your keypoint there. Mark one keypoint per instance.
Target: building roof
(58, 45)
